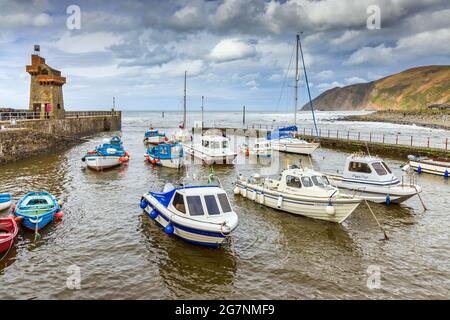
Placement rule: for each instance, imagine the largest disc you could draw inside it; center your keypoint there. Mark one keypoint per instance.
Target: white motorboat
(370, 178)
(154, 136)
(260, 147)
(437, 166)
(108, 155)
(299, 191)
(212, 149)
(200, 214)
(286, 142)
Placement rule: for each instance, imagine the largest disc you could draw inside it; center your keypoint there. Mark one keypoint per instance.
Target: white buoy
(261, 198)
(331, 211)
(236, 190)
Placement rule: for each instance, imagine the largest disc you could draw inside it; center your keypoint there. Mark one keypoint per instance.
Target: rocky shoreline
(430, 119)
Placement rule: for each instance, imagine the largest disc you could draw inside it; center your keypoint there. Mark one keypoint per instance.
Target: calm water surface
(122, 254)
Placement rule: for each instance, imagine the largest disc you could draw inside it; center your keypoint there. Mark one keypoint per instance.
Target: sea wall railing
(27, 115)
(433, 141)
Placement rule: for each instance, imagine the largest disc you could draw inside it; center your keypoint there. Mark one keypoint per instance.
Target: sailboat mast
(184, 110)
(307, 86)
(296, 80)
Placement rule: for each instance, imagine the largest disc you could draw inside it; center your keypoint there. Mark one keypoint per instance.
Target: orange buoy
(18, 218)
(153, 161)
(59, 215)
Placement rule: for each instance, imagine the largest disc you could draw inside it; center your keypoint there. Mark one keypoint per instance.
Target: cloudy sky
(236, 52)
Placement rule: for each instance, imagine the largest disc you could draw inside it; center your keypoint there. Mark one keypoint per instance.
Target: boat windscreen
(379, 169)
(386, 167)
(211, 205)
(195, 205)
(306, 181)
(224, 202)
(178, 203)
(320, 181)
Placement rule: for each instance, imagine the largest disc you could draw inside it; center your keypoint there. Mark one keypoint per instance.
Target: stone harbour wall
(33, 137)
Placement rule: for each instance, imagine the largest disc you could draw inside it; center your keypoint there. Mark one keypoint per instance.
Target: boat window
(178, 203)
(211, 205)
(386, 167)
(292, 181)
(320, 181)
(206, 143)
(176, 150)
(215, 145)
(195, 205)
(224, 144)
(224, 202)
(164, 150)
(306, 181)
(359, 167)
(379, 169)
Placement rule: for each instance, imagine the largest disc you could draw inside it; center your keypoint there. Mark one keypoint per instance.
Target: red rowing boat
(8, 232)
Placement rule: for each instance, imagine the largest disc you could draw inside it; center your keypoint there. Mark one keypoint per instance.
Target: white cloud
(231, 49)
(346, 37)
(89, 42)
(325, 86)
(372, 55)
(353, 80)
(325, 75)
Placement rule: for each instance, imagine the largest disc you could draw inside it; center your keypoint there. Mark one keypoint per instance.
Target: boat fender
(419, 169)
(261, 198)
(153, 214)
(244, 192)
(388, 199)
(280, 201)
(331, 210)
(83, 159)
(168, 229)
(60, 203)
(446, 173)
(58, 215)
(143, 204)
(236, 190)
(18, 218)
(255, 195)
(153, 162)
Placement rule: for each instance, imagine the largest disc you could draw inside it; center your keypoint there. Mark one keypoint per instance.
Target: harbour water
(121, 254)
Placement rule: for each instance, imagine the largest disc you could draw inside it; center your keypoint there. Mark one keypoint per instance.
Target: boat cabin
(216, 144)
(302, 181)
(153, 133)
(167, 150)
(200, 202)
(367, 169)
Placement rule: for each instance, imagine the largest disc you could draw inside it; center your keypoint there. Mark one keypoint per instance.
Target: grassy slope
(413, 89)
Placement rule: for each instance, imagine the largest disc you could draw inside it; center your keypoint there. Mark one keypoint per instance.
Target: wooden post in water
(359, 136)
(337, 134)
(396, 139)
(348, 135)
(370, 136)
(428, 142)
(328, 133)
(243, 115)
(446, 143)
(383, 138)
(411, 141)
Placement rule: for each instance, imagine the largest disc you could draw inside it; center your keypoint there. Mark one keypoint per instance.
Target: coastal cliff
(411, 90)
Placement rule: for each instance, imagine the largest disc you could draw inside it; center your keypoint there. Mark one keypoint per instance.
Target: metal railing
(27, 115)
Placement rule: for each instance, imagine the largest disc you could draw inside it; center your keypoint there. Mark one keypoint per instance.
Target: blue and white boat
(197, 213)
(283, 139)
(169, 155)
(370, 178)
(5, 201)
(107, 155)
(154, 136)
(37, 209)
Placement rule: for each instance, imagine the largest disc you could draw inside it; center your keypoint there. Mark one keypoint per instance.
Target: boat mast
(184, 111)
(296, 79)
(307, 86)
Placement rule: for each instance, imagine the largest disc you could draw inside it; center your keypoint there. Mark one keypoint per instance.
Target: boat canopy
(368, 169)
(154, 133)
(281, 133)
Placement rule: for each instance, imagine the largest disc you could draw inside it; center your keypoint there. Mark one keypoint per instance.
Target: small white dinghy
(199, 213)
(370, 178)
(299, 191)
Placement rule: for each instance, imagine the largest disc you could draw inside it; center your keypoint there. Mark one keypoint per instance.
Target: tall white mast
(184, 111)
(296, 80)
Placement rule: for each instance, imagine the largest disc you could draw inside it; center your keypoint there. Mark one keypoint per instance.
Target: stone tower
(46, 96)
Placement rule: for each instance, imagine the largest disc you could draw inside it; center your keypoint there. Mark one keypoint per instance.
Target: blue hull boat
(37, 209)
(169, 155)
(5, 201)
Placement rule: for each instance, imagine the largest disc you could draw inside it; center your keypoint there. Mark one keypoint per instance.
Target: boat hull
(99, 163)
(298, 148)
(307, 207)
(376, 193)
(436, 168)
(5, 205)
(174, 163)
(37, 222)
(5, 201)
(154, 140)
(8, 233)
(210, 159)
(201, 234)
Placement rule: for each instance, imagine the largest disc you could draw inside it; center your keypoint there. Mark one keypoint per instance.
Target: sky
(235, 52)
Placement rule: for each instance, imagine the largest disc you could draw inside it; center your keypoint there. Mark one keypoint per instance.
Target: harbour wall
(39, 136)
